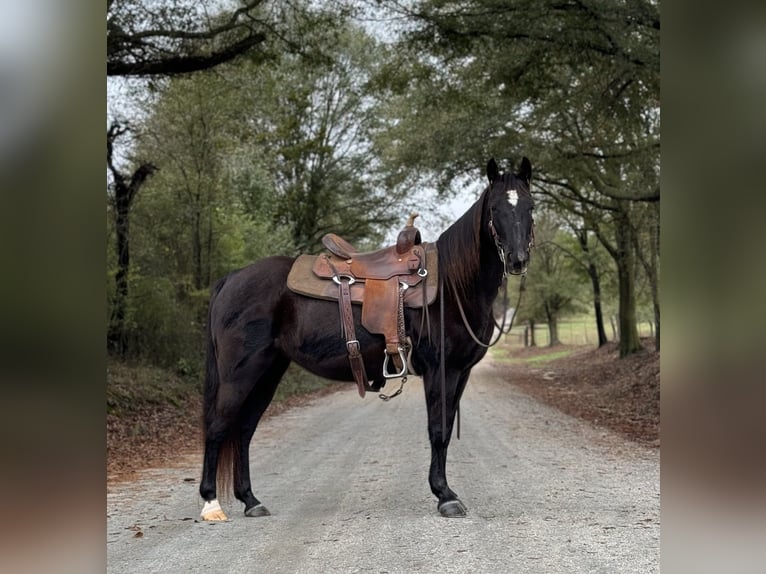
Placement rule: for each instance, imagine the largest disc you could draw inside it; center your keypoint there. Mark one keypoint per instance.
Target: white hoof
(212, 512)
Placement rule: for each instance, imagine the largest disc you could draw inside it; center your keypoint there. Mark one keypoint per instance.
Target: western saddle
(381, 281)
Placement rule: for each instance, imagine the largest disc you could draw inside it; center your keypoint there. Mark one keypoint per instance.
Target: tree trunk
(553, 333)
(209, 248)
(595, 279)
(116, 338)
(655, 281)
(650, 264)
(553, 329)
(532, 342)
(629, 339)
(115, 335)
(596, 283)
(124, 192)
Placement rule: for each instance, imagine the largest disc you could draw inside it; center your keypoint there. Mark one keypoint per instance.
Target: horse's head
(510, 215)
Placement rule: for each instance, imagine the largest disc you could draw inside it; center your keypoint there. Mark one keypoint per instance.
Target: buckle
(337, 278)
(355, 350)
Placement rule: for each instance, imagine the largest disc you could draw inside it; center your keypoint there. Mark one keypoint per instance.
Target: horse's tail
(227, 450)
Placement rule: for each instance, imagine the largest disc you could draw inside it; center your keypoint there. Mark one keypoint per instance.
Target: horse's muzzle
(518, 265)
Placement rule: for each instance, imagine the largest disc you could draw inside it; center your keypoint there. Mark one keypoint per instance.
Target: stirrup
(400, 374)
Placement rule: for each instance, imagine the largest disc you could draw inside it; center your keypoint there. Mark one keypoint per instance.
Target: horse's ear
(492, 171)
(525, 170)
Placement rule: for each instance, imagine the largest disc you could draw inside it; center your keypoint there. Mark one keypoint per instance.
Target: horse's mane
(460, 247)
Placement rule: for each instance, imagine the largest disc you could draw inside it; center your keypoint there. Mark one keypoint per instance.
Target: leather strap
(442, 365)
(352, 343)
(401, 335)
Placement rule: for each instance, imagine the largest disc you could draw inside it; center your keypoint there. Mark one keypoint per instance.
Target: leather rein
(501, 327)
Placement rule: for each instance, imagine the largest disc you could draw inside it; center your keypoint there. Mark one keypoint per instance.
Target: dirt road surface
(346, 482)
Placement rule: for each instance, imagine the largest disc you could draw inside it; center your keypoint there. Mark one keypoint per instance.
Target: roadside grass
(132, 387)
(502, 355)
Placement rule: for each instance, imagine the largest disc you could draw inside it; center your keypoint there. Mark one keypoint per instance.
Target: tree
(190, 225)
(648, 254)
(594, 275)
(552, 286)
(588, 260)
(122, 193)
(310, 123)
(195, 204)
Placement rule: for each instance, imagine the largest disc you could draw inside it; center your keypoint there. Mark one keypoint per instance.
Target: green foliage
(313, 137)
(554, 285)
(165, 322)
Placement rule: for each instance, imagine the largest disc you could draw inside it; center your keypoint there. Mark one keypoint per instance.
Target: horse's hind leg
(240, 400)
(251, 413)
(221, 444)
(218, 449)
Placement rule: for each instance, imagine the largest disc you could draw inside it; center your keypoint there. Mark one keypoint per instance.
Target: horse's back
(249, 295)
(269, 273)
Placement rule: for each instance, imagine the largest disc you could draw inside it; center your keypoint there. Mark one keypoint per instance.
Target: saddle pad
(303, 281)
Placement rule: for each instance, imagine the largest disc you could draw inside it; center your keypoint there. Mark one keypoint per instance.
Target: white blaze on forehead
(513, 197)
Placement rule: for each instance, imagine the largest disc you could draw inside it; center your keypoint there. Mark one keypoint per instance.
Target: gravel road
(346, 482)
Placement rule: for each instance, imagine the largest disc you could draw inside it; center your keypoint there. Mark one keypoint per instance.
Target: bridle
(498, 245)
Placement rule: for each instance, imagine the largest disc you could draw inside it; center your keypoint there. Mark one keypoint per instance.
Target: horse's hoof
(257, 510)
(212, 512)
(452, 509)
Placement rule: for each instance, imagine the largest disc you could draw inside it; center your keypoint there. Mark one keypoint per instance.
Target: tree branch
(167, 45)
(175, 65)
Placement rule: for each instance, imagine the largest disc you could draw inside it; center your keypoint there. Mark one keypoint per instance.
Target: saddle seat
(399, 259)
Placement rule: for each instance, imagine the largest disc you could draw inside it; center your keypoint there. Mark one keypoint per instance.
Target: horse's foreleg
(449, 504)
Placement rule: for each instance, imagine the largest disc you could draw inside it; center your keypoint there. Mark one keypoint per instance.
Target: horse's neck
(486, 281)
(478, 287)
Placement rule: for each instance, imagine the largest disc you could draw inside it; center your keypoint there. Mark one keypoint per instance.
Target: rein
(501, 327)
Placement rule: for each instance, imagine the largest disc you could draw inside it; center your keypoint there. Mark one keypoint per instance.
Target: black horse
(257, 326)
